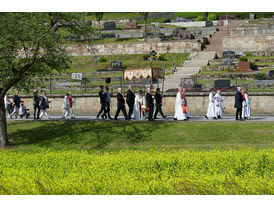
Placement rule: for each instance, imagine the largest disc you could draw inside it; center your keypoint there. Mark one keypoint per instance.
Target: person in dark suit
(130, 101)
(120, 105)
(36, 103)
(16, 101)
(149, 104)
(102, 96)
(238, 103)
(158, 99)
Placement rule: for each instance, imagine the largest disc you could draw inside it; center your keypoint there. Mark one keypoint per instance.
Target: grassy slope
(108, 136)
(85, 64)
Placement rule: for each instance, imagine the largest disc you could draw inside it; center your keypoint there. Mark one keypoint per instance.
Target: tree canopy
(31, 44)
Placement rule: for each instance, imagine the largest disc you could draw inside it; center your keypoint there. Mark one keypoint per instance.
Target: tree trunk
(3, 124)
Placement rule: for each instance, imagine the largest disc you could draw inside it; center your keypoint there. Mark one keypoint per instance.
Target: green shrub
(260, 76)
(188, 15)
(231, 76)
(146, 56)
(200, 18)
(162, 58)
(253, 66)
(243, 59)
(248, 54)
(102, 59)
(212, 17)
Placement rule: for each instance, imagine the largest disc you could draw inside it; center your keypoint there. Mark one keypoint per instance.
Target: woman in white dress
(211, 105)
(139, 106)
(179, 114)
(246, 112)
(218, 104)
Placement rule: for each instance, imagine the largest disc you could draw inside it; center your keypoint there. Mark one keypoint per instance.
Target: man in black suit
(16, 101)
(149, 102)
(120, 105)
(158, 99)
(238, 103)
(36, 100)
(130, 101)
(102, 96)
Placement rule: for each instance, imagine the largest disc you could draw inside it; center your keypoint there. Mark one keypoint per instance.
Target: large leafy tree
(31, 45)
(99, 17)
(145, 17)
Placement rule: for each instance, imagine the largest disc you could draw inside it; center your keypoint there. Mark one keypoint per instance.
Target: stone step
(189, 69)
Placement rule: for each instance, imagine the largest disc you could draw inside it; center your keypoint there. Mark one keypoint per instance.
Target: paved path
(190, 67)
(169, 118)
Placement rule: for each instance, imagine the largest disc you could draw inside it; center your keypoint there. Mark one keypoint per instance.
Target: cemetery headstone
(251, 16)
(187, 82)
(271, 74)
(230, 54)
(109, 25)
(77, 76)
(228, 62)
(116, 65)
(209, 23)
(132, 25)
(153, 53)
(222, 84)
(110, 35)
(244, 66)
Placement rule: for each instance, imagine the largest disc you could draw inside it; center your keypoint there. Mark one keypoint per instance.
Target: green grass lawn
(85, 64)
(175, 158)
(264, 63)
(232, 81)
(259, 57)
(114, 136)
(212, 72)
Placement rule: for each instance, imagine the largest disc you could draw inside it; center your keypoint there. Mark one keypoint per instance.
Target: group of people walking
(141, 105)
(242, 105)
(19, 110)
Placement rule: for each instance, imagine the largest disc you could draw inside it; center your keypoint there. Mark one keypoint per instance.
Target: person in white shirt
(8, 105)
(246, 112)
(65, 106)
(218, 104)
(180, 102)
(22, 110)
(139, 106)
(211, 106)
(44, 105)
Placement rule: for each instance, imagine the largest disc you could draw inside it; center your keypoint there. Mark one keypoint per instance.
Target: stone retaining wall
(136, 48)
(241, 44)
(261, 103)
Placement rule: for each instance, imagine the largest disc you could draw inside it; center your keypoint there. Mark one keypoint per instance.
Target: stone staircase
(189, 68)
(216, 42)
(192, 66)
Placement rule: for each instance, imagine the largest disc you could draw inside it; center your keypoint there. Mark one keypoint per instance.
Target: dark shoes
(206, 117)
